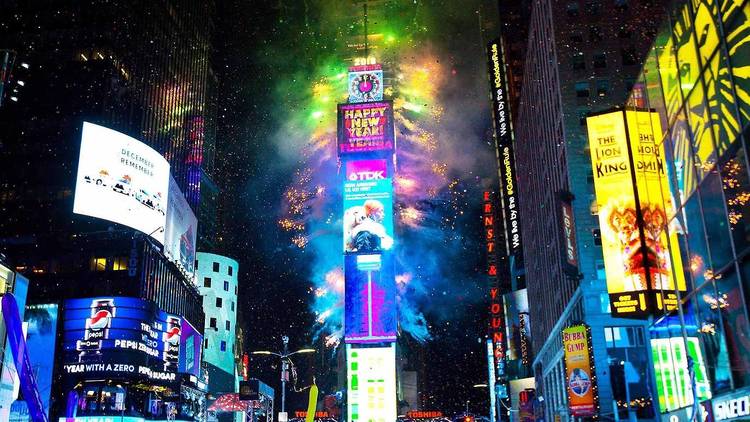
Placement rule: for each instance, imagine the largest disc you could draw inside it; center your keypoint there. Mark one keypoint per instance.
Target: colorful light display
(371, 380)
(673, 384)
(370, 308)
(580, 375)
(365, 127)
(634, 207)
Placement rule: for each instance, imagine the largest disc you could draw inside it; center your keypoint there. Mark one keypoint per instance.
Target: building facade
(581, 56)
(694, 78)
(217, 280)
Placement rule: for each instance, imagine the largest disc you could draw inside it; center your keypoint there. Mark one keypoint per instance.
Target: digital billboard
(504, 146)
(122, 180)
(369, 299)
(365, 127)
(518, 329)
(580, 374)
(40, 339)
(368, 215)
(634, 206)
(673, 382)
(126, 336)
(180, 230)
(191, 344)
(371, 380)
(365, 83)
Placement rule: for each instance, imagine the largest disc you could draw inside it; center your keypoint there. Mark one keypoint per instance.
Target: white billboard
(122, 180)
(180, 231)
(371, 377)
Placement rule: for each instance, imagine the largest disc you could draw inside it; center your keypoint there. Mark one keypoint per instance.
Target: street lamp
(285, 363)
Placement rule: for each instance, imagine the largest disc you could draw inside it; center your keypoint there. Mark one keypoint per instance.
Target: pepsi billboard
(125, 336)
(368, 207)
(370, 299)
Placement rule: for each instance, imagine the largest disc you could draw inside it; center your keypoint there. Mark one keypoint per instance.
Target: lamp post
(286, 362)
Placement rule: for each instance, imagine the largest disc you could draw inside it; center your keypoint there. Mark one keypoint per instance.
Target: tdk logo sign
(367, 175)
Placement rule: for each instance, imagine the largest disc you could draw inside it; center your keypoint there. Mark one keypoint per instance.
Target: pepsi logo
(173, 335)
(99, 320)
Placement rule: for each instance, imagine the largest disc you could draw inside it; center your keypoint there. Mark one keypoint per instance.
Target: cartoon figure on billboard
(364, 230)
(579, 382)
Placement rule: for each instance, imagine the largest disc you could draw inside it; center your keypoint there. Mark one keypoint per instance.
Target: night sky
(277, 168)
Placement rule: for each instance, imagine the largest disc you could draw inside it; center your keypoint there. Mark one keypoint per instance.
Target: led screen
(365, 83)
(122, 180)
(40, 339)
(640, 270)
(191, 345)
(365, 127)
(180, 231)
(518, 327)
(370, 299)
(673, 383)
(579, 372)
(371, 378)
(122, 335)
(368, 215)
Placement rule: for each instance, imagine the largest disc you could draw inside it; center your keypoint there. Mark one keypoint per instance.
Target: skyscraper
(581, 56)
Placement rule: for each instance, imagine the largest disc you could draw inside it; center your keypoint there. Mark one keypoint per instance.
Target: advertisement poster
(370, 299)
(365, 83)
(518, 330)
(180, 231)
(639, 268)
(121, 180)
(368, 216)
(371, 379)
(120, 335)
(673, 384)
(191, 343)
(40, 339)
(365, 127)
(579, 371)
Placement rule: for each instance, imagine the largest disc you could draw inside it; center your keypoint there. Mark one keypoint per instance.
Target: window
(597, 233)
(226, 286)
(572, 9)
(120, 263)
(602, 87)
(205, 343)
(207, 282)
(196, 263)
(600, 61)
(235, 290)
(98, 264)
(230, 270)
(579, 61)
(582, 113)
(582, 89)
(218, 302)
(576, 37)
(228, 325)
(595, 33)
(223, 346)
(212, 323)
(232, 305)
(217, 267)
(629, 57)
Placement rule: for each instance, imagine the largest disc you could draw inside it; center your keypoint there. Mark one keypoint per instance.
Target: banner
(634, 207)
(579, 371)
(365, 127)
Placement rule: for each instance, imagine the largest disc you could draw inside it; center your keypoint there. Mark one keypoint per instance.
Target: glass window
(709, 326)
(703, 143)
(715, 217)
(120, 263)
(736, 334)
(705, 13)
(206, 281)
(223, 346)
(737, 30)
(216, 267)
(98, 264)
(600, 60)
(576, 37)
(218, 302)
(687, 55)
(582, 89)
(212, 322)
(579, 61)
(230, 270)
(232, 305)
(629, 370)
(228, 325)
(667, 61)
(602, 87)
(736, 186)
(226, 286)
(205, 343)
(721, 103)
(595, 33)
(680, 153)
(572, 9)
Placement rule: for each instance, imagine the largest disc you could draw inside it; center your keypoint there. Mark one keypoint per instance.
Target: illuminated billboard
(126, 336)
(518, 330)
(368, 215)
(365, 127)
(634, 206)
(371, 381)
(580, 381)
(365, 83)
(673, 383)
(369, 299)
(122, 180)
(504, 146)
(180, 230)
(40, 339)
